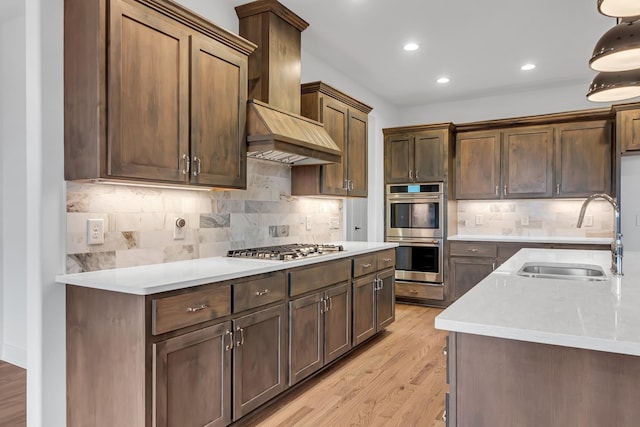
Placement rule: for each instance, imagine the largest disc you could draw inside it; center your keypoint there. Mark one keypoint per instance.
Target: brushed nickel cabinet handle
(198, 308)
(366, 265)
(493, 266)
(413, 292)
(505, 190)
(557, 188)
(386, 259)
(497, 187)
(230, 345)
(261, 293)
(241, 342)
(187, 164)
(346, 185)
(417, 175)
(198, 163)
(330, 304)
(472, 250)
(323, 309)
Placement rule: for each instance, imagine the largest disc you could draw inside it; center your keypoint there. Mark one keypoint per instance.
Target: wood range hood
(275, 129)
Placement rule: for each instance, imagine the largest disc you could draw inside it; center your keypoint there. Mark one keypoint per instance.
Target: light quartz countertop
(594, 315)
(576, 240)
(151, 279)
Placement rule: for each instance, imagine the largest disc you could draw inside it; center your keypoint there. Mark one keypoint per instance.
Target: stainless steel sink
(556, 270)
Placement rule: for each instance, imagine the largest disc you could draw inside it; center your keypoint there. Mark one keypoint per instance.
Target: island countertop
(595, 315)
(154, 278)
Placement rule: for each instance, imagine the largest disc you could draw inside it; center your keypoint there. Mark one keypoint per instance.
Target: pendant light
(615, 86)
(618, 49)
(619, 8)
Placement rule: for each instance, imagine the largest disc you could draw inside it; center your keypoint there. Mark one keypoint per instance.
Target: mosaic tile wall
(535, 218)
(139, 221)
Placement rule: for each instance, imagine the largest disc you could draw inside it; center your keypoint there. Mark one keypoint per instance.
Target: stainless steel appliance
(286, 252)
(416, 220)
(415, 211)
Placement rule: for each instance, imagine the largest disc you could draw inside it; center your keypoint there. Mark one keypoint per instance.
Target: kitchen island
(537, 351)
(204, 342)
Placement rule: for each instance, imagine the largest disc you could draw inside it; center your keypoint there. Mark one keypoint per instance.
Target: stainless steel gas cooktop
(286, 252)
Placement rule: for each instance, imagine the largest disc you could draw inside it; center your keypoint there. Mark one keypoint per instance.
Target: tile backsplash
(139, 221)
(534, 218)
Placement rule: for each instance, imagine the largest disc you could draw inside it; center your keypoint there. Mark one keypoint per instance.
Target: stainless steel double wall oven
(415, 219)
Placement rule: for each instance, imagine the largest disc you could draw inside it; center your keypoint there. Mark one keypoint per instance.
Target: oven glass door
(419, 262)
(415, 217)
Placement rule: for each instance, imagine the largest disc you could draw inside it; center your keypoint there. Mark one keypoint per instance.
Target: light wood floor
(13, 395)
(398, 379)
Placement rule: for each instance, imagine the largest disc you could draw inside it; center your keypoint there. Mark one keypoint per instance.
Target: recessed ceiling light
(443, 80)
(409, 47)
(527, 67)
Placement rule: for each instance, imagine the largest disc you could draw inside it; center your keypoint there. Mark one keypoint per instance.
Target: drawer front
(311, 278)
(179, 311)
(261, 291)
(473, 249)
(386, 259)
(413, 290)
(364, 264)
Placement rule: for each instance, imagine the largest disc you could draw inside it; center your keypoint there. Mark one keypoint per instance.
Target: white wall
(13, 190)
(630, 202)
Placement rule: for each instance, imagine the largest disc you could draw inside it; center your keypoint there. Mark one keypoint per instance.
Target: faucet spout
(616, 243)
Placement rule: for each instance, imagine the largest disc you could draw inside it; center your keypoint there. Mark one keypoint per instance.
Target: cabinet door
(148, 95)
(337, 322)
(583, 158)
(468, 272)
(192, 385)
(385, 300)
(478, 165)
(398, 161)
(357, 153)
(335, 120)
(306, 332)
(364, 309)
(527, 162)
(218, 114)
(628, 129)
(259, 359)
(429, 156)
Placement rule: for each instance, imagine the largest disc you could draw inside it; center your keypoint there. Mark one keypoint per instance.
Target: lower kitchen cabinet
(259, 359)
(468, 272)
(319, 330)
(192, 375)
(373, 304)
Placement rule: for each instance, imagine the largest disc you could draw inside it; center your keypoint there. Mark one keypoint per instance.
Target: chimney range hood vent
(277, 135)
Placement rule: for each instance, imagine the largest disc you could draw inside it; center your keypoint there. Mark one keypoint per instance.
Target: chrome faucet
(616, 243)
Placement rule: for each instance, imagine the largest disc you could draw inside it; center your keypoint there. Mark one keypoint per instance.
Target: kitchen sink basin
(556, 270)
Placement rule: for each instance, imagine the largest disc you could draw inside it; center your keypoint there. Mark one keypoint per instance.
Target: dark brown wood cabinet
(417, 154)
(628, 129)
(153, 93)
(560, 160)
(373, 294)
(583, 158)
(346, 121)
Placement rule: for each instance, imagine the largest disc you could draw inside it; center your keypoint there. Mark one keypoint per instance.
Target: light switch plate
(588, 221)
(334, 223)
(308, 222)
(479, 219)
(95, 231)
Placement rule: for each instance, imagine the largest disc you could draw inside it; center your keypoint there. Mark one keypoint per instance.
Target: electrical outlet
(479, 220)
(95, 231)
(308, 222)
(179, 229)
(524, 219)
(588, 221)
(334, 223)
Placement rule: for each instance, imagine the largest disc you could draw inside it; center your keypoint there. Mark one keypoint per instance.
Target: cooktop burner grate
(286, 252)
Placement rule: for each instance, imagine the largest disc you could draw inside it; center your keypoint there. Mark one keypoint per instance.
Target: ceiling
(479, 45)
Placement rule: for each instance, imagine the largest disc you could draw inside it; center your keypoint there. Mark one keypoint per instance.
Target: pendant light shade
(618, 49)
(616, 86)
(619, 8)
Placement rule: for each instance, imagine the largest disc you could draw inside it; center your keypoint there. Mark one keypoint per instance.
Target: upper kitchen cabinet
(512, 163)
(153, 93)
(417, 153)
(346, 120)
(560, 155)
(583, 158)
(628, 128)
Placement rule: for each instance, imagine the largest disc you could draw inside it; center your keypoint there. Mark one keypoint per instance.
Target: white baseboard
(14, 355)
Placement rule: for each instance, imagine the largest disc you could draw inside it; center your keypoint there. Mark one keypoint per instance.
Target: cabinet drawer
(364, 264)
(414, 290)
(188, 309)
(311, 278)
(473, 249)
(386, 259)
(257, 292)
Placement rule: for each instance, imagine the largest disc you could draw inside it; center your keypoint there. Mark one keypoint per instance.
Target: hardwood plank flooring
(397, 379)
(13, 395)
